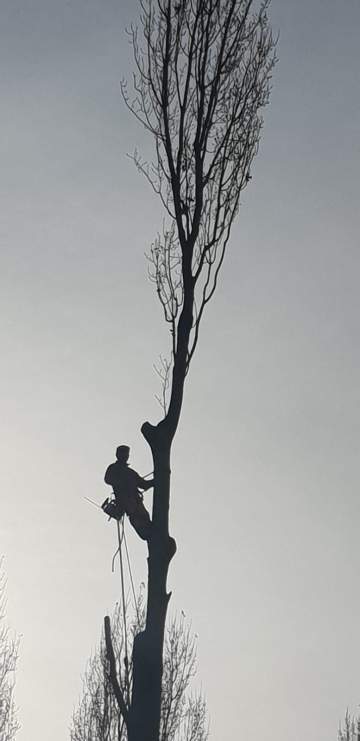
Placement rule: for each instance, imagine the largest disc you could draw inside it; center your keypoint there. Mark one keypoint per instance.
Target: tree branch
(112, 671)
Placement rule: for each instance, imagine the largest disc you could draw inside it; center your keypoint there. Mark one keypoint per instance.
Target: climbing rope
(120, 525)
(120, 539)
(131, 579)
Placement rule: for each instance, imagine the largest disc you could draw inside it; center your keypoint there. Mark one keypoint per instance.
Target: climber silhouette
(126, 484)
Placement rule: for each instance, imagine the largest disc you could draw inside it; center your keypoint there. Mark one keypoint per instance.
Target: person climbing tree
(126, 484)
(202, 76)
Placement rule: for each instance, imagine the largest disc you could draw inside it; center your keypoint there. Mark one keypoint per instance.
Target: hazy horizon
(265, 482)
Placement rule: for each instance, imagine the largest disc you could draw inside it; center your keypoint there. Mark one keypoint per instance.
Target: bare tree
(8, 659)
(202, 75)
(350, 730)
(99, 717)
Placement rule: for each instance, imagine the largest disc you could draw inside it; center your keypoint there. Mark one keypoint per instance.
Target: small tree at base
(183, 715)
(350, 730)
(8, 658)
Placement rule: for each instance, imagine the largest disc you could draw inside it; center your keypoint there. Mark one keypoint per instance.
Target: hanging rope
(131, 580)
(120, 539)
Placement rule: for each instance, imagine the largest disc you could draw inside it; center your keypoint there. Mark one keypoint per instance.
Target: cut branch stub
(112, 671)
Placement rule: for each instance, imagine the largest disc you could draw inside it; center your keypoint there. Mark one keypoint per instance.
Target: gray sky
(265, 503)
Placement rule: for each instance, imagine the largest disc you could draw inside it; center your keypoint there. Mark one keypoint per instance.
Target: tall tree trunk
(202, 76)
(144, 718)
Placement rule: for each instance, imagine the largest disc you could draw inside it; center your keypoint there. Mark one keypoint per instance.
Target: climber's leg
(140, 520)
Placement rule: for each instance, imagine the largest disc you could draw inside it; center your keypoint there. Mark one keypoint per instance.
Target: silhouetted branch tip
(203, 75)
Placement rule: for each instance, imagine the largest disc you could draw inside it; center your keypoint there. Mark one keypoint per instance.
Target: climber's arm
(144, 484)
(108, 475)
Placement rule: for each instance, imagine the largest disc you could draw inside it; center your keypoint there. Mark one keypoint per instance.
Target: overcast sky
(265, 504)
